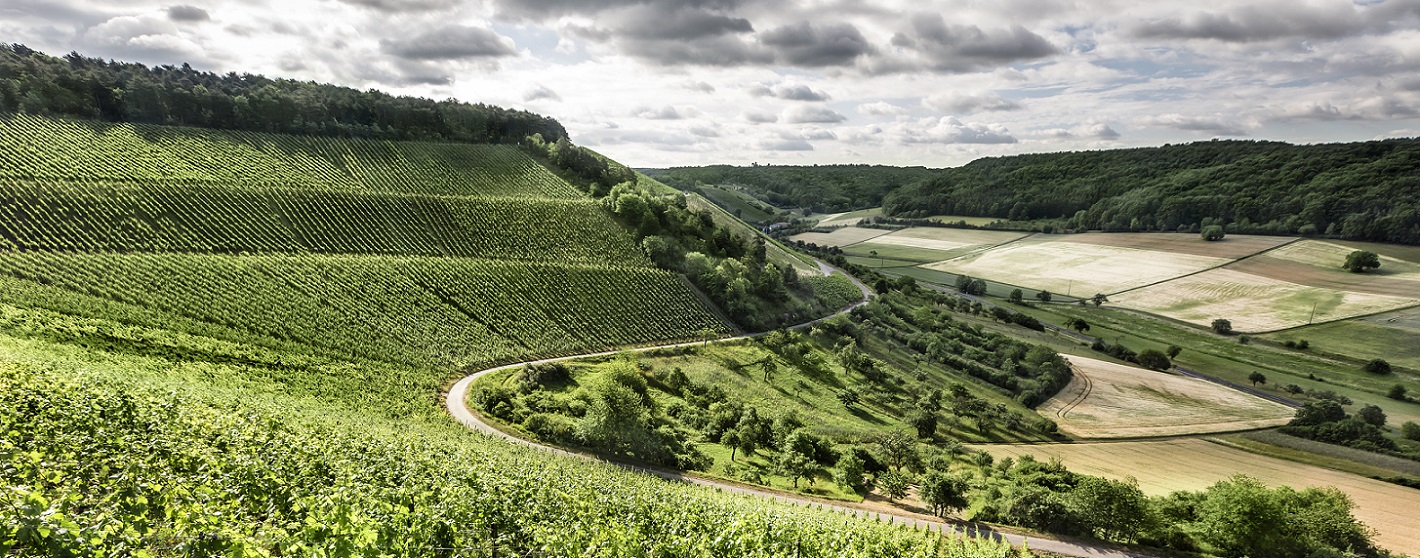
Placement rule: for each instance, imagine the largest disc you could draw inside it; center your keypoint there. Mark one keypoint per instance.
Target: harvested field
(1318, 264)
(1397, 251)
(931, 244)
(1231, 247)
(1107, 400)
(847, 219)
(1254, 303)
(1080, 269)
(1193, 464)
(1407, 319)
(840, 237)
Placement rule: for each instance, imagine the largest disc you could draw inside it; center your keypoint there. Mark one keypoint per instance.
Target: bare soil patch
(1318, 264)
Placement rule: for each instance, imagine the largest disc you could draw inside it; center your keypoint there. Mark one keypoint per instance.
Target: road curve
(456, 401)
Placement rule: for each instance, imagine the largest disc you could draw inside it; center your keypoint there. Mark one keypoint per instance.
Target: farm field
(1318, 264)
(846, 219)
(1231, 247)
(1254, 303)
(1108, 400)
(840, 237)
(930, 244)
(1062, 266)
(1166, 466)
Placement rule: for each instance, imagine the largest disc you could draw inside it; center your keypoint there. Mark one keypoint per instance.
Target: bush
(1410, 431)
(1222, 326)
(1212, 233)
(1397, 392)
(1378, 367)
(1154, 360)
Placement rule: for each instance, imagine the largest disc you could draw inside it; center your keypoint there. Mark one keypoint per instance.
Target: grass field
(840, 237)
(740, 204)
(1254, 303)
(1363, 339)
(1107, 400)
(1318, 264)
(1061, 266)
(1162, 467)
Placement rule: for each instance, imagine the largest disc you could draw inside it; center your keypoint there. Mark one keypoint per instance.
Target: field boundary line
(1205, 270)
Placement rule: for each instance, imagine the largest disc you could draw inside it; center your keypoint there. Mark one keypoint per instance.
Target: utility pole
(1313, 316)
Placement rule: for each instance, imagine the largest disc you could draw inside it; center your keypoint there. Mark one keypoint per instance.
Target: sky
(657, 83)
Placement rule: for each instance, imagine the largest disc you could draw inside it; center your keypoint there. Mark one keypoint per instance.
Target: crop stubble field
(1058, 265)
(840, 237)
(1166, 466)
(1108, 400)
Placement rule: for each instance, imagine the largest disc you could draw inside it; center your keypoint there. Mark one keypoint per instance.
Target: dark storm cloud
(671, 35)
(788, 92)
(450, 43)
(807, 45)
(540, 92)
(404, 6)
(963, 48)
(683, 24)
(187, 14)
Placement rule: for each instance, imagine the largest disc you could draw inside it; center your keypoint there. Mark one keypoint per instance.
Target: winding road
(456, 401)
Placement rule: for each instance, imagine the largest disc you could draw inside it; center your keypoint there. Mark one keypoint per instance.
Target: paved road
(456, 403)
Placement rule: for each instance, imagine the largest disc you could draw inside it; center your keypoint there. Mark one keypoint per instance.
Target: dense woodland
(818, 188)
(1362, 191)
(79, 87)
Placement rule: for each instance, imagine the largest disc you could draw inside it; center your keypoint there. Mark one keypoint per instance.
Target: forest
(80, 87)
(1359, 191)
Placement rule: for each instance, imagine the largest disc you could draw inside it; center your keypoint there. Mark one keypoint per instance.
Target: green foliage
(1154, 359)
(1377, 366)
(1222, 326)
(1242, 517)
(1361, 260)
(1212, 232)
(894, 484)
(818, 188)
(1257, 378)
(850, 472)
(1361, 191)
(113, 466)
(1326, 421)
(944, 493)
(1372, 415)
(1410, 431)
(1398, 392)
(75, 86)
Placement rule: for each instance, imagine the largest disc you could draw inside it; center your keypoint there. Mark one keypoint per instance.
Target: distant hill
(1361, 191)
(81, 87)
(818, 188)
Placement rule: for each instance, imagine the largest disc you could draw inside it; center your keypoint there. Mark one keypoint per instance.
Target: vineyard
(140, 459)
(34, 148)
(150, 217)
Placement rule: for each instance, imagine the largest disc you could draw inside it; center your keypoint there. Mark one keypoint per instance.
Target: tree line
(1362, 191)
(76, 86)
(817, 188)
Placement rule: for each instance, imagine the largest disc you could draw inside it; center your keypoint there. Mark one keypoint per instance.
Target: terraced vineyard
(431, 255)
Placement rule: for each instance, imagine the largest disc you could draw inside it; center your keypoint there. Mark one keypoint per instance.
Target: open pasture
(1166, 466)
(1079, 269)
(1366, 338)
(1107, 400)
(1318, 264)
(840, 237)
(1231, 247)
(1254, 303)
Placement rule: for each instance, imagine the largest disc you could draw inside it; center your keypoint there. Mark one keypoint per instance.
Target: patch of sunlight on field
(1166, 466)
(1107, 400)
(1253, 303)
(1076, 268)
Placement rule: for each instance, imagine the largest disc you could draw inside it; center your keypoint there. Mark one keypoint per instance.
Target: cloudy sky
(683, 82)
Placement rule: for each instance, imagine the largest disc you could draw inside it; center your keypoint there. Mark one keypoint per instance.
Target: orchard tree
(850, 472)
(1015, 297)
(944, 493)
(1361, 260)
(1173, 351)
(1257, 378)
(894, 484)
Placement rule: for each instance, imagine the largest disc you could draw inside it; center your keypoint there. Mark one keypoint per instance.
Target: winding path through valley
(456, 401)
